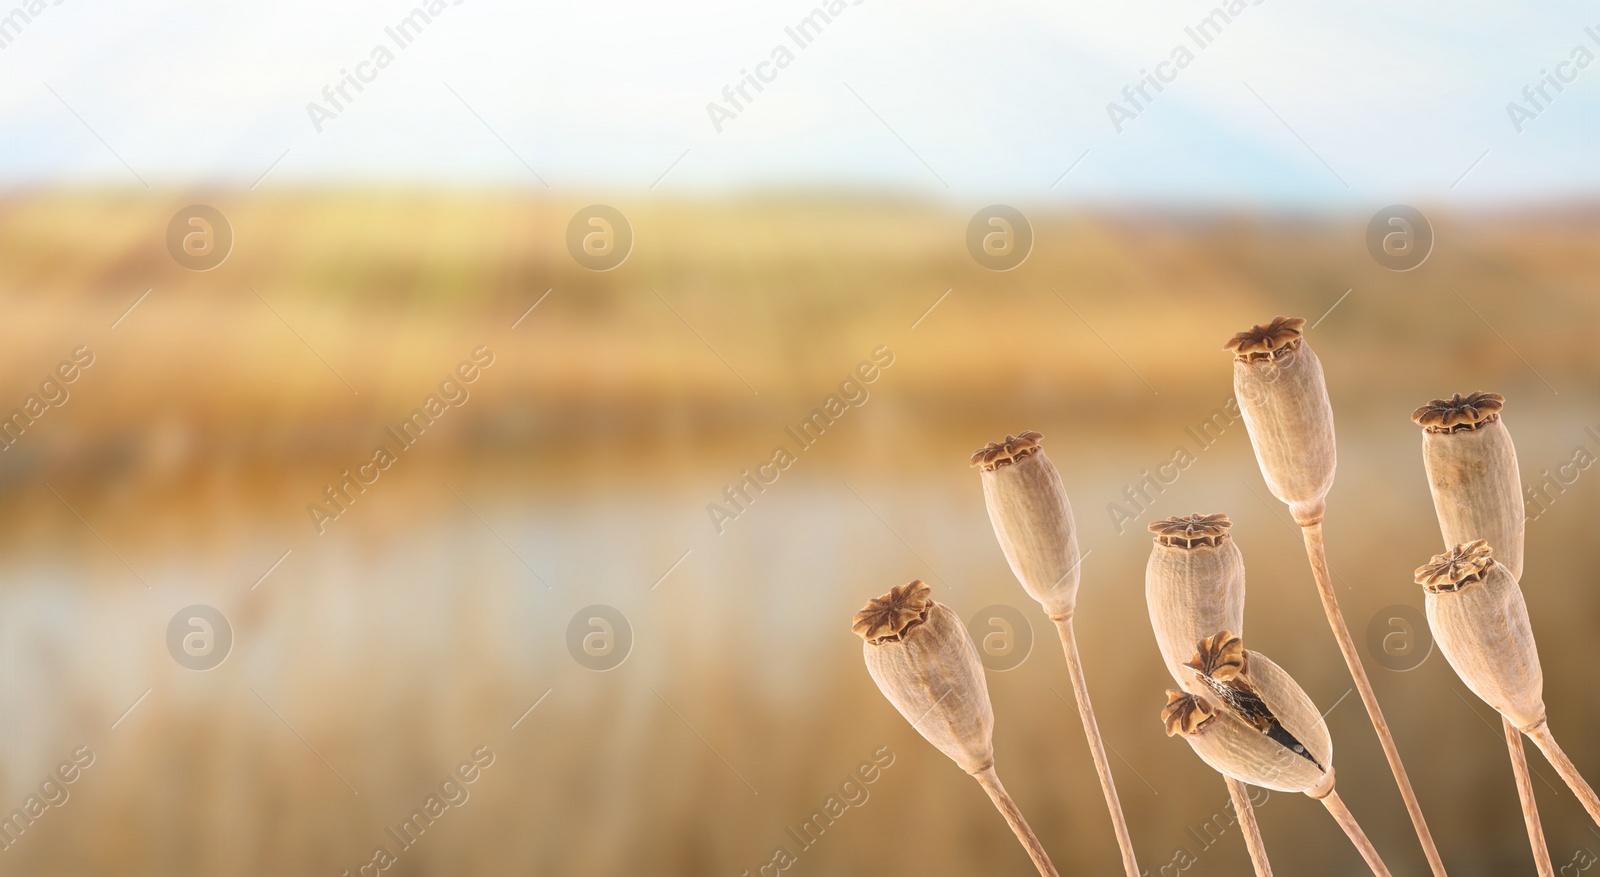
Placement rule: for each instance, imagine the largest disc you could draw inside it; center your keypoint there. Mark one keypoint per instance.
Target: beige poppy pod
(1278, 382)
(1472, 471)
(1270, 735)
(923, 661)
(1234, 749)
(919, 654)
(1254, 724)
(1193, 586)
(1480, 622)
(1032, 519)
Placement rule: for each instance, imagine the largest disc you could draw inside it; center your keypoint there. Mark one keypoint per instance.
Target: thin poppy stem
(1008, 808)
(1318, 555)
(1530, 807)
(1240, 794)
(1091, 729)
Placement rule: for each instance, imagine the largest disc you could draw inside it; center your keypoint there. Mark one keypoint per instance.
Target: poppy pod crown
(1459, 413)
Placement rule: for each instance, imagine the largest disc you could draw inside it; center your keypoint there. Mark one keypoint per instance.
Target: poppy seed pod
(1480, 622)
(1032, 519)
(1033, 522)
(1251, 721)
(1476, 611)
(1234, 749)
(1278, 382)
(1472, 471)
(1248, 726)
(923, 661)
(1193, 585)
(919, 654)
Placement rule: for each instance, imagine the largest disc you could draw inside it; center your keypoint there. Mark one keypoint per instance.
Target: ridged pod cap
(1032, 519)
(1193, 586)
(1472, 472)
(1478, 617)
(919, 654)
(1251, 721)
(1283, 398)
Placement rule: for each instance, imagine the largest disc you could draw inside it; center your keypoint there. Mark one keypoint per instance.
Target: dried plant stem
(1341, 814)
(1247, 824)
(1318, 555)
(1008, 808)
(1080, 691)
(1541, 737)
(1530, 807)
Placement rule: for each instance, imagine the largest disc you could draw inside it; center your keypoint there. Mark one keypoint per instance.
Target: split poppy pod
(1250, 721)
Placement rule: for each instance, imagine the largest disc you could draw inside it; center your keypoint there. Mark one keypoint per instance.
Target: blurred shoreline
(719, 298)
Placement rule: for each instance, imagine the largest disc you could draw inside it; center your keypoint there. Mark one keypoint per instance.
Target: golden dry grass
(411, 633)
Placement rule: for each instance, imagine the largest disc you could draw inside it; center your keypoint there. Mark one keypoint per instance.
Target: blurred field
(432, 614)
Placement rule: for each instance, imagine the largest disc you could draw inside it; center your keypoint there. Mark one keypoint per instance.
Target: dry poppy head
(1455, 569)
(1459, 413)
(1220, 657)
(889, 617)
(1004, 453)
(1271, 341)
(1185, 713)
(1189, 531)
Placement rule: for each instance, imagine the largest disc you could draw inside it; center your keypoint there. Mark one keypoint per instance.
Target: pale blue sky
(1292, 103)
